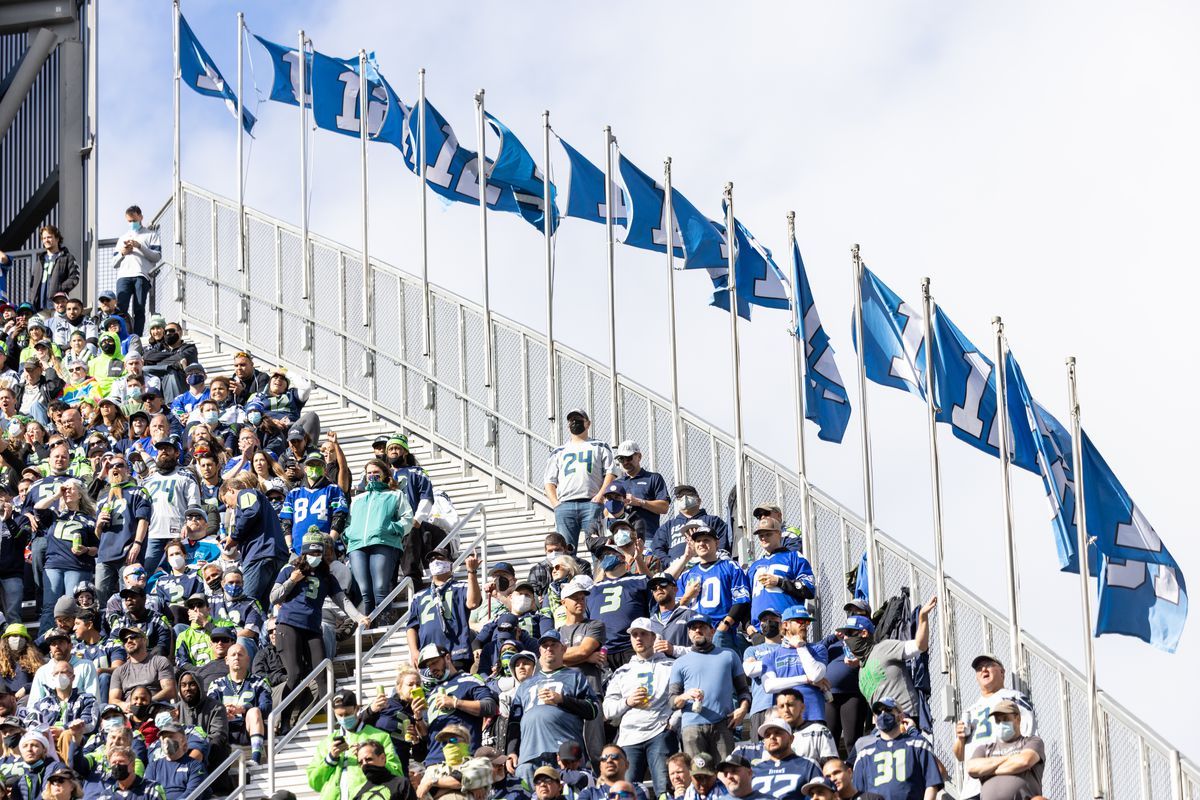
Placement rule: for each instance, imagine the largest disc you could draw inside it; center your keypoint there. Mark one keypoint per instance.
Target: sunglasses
(130, 638)
(619, 795)
(610, 757)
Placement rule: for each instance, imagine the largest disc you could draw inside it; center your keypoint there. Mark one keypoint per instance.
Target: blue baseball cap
(550, 636)
(858, 623)
(886, 704)
(796, 612)
(502, 566)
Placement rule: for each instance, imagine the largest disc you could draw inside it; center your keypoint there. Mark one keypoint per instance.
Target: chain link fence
(384, 369)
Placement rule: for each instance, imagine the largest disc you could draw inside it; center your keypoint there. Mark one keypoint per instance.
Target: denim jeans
(374, 569)
(258, 577)
(137, 290)
(652, 753)
(12, 591)
(572, 516)
(108, 575)
(152, 556)
(57, 583)
(716, 740)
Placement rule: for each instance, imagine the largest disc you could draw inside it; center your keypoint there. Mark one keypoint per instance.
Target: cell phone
(339, 738)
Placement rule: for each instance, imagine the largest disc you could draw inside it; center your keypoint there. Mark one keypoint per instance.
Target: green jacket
(106, 369)
(326, 774)
(378, 516)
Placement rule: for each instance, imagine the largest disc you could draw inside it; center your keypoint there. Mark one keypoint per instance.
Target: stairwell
(514, 534)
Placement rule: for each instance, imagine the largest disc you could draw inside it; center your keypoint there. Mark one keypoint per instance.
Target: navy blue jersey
(723, 584)
(256, 529)
(301, 607)
(462, 686)
(783, 779)
(241, 612)
(788, 565)
(644, 486)
(253, 692)
(125, 512)
(305, 507)
(618, 602)
(440, 616)
(897, 769)
(65, 530)
(415, 484)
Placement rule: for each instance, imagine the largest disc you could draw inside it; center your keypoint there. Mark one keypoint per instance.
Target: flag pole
(363, 134)
(548, 233)
(799, 352)
(175, 177)
(302, 92)
(241, 169)
(741, 501)
(426, 315)
(874, 590)
(935, 475)
(489, 380)
(1085, 595)
(676, 423)
(1010, 546)
(609, 199)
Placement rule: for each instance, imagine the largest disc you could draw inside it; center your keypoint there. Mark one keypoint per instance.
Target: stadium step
(515, 535)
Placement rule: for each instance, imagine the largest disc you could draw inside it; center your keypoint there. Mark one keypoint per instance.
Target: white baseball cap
(773, 722)
(628, 448)
(575, 586)
(641, 624)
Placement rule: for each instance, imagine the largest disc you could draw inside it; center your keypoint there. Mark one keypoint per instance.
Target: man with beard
(171, 491)
(71, 320)
(141, 669)
(779, 772)
(882, 670)
(454, 698)
(247, 381)
(59, 464)
(136, 611)
(709, 685)
(198, 710)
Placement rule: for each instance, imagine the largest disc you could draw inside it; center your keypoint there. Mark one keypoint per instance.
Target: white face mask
(439, 568)
(14, 643)
(177, 561)
(314, 561)
(521, 604)
(63, 681)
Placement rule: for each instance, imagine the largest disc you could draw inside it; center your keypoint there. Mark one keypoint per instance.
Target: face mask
(314, 561)
(614, 507)
(63, 681)
(610, 562)
(214, 585)
(348, 723)
(1006, 730)
(135, 393)
(277, 505)
(14, 643)
(162, 718)
(506, 662)
(455, 754)
(576, 427)
(108, 347)
(376, 774)
(502, 583)
(139, 710)
(166, 463)
(398, 461)
(374, 480)
(210, 418)
(429, 680)
(177, 561)
(886, 721)
(34, 766)
(770, 628)
(136, 227)
(120, 772)
(234, 589)
(521, 603)
(172, 339)
(11, 741)
(314, 473)
(439, 568)
(254, 417)
(689, 502)
(173, 748)
(860, 646)
(195, 379)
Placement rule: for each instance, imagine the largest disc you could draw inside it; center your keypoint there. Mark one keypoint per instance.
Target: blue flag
(451, 169)
(335, 104)
(585, 190)
(516, 170)
(894, 348)
(825, 399)
(648, 222)
(965, 385)
(759, 280)
(198, 71)
(286, 70)
(705, 245)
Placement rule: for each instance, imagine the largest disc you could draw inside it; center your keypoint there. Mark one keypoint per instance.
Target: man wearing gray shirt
(577, 473)
(138, 250)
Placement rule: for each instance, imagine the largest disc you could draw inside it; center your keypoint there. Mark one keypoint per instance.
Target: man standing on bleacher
(577, 473)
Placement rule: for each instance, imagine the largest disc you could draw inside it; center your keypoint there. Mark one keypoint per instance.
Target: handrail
(479, 542)
(453, 535)
(273, 746)
(238, 756)
(360, 631)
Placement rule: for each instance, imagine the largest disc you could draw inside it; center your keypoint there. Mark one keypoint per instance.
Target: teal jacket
(378, 516)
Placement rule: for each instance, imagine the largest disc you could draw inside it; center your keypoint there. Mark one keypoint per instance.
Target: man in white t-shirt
(577, 473)
(977, 727)
(137, 251)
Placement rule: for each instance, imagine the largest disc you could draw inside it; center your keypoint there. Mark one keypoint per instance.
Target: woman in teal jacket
(380, 518)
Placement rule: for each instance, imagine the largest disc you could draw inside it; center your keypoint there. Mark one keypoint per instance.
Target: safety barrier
(274, 745)
(236, 758)
(377, 362)
(405, 585)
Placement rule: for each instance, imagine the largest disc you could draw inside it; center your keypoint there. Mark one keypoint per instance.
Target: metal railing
(405, 585)
(238, 757)
(261, 309)
(273, 745)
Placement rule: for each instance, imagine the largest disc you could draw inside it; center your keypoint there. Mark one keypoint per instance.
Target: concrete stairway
(514, 534)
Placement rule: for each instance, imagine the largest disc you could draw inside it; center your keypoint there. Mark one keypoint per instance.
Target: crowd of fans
(194, 543)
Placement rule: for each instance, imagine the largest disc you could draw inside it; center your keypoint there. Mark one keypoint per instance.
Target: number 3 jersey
(618, 602)
(897, 769)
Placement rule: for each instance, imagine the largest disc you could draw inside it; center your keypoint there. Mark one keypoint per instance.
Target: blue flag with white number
(452, 170)
(647, 224)
(516, 170)
(198, 71)
(759, 280)
(285, 64)
(894, 348)
(705, 245)
(964, 381)
(585, 190)
(826, 401)
(336, 107)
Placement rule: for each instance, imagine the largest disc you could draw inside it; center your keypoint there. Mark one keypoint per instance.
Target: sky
(1035, 160)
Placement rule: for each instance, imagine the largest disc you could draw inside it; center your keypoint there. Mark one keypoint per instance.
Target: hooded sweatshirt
(107, 368)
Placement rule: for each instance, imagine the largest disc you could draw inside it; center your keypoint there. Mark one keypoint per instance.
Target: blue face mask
(234, 589)
(886, 721)
(254, 417)
(610, 561)
(195, 379)
(614, 507)
(136, 227)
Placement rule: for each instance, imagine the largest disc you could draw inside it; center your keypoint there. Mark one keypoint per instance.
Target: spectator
(497, 593)
(618, 598)
(179, 582)
(137, 614)
(554, 545)
(881, 665)
(669, 541)
(737, 774)
(761, 701)
(69, 518)
(645, 492)
(121, 778)
(453, 698)
(583, 638)
(402, 715)
(171, 491)
(977, 727)
(334, 772)
(63, 785)
(577, 473)
(841, 776)
(175, 770)
(798, 664)
(847, 713)
(896, 765)
(317, 502)
(256, 532)
(121, 526)
(45, 681)
(778, 771)
(638, 705)
(223, 639)
(19, 661)
(612, 779)
(716, 587)
(439, 613)
(35, 764)
(810, 738)
(379, 782)
(669, 618)
(705, 785)
(234, 609)
(67, 713)
(141, 668)
(17, 536)
(380, 520)
(1010, 766)
(679, 773)
(547, 783)
(709, 685)
(548, 708)
(91, 646)
(194, 644)
(198, 710)
(59, 270)
(137, 253)
(39, 388)
(780, 579)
